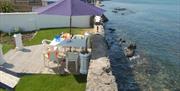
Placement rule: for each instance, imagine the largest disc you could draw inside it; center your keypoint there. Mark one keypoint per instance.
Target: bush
(15, 30)
(6, 6)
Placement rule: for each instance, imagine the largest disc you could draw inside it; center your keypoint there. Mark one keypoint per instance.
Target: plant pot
(18, 41)
(84, 62)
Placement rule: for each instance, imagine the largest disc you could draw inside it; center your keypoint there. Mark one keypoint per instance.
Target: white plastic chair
(72, 56)
(50, 55)
(78, 36)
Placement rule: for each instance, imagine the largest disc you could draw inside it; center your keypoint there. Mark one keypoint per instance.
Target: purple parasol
(70, 8)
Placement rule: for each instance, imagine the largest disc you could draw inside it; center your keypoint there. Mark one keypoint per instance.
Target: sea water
(154, 25)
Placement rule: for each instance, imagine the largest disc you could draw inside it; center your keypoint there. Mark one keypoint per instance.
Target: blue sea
(154, 25)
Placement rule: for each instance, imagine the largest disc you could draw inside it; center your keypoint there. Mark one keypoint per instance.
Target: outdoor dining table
(77, 43)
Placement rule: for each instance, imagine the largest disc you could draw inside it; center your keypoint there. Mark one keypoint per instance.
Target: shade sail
(70, 8)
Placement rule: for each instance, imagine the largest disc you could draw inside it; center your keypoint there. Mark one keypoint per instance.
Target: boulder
(115, 11)
(129, 52)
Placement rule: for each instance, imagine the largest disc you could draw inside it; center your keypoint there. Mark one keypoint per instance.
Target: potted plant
(84, 58)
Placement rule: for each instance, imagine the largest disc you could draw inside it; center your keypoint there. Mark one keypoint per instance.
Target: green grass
(48, 34)
(2, 89)
(42, 34)
(7, 47)
(52, 83)
(6, 42)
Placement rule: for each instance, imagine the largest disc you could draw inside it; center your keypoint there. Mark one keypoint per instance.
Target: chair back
(53, 55)
(78, 36)
(72, 56)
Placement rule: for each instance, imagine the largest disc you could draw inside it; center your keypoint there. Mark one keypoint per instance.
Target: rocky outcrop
(100, 77)
(130, 50)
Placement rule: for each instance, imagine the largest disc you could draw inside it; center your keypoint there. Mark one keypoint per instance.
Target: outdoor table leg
(67, 64)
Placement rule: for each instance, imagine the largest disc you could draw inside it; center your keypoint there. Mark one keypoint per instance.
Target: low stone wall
(99, 76)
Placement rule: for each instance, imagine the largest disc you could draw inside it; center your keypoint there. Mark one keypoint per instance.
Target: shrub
(6, 6)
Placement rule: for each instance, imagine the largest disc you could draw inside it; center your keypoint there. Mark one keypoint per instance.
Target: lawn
(2, 89)
(52, 83)
(40, 35)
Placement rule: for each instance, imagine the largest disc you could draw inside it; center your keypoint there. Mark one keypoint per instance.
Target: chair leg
(48, 66)
(44, 59)
(59, 67)
(67, 64)
(76, 62)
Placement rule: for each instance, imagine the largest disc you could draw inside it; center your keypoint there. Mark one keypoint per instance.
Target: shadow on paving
(81, 78)
(121, 66)
(99, 47)
(7, 65)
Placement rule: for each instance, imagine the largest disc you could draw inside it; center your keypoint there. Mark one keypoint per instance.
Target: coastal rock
(121, 41)
(123, 11)
(120, 9)
(129, 52)
(111, 29)
(115, 11)
(101, 5)
(104, 18)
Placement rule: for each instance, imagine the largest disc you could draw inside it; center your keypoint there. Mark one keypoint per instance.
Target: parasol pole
(70, 24)
(70, 28)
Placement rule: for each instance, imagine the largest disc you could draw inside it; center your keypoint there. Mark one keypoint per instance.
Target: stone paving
(31, 61)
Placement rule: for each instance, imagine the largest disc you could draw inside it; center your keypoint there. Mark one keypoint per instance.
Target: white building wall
(32, 21)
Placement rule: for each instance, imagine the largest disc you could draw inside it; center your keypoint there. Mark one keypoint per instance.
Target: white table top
(73, 43)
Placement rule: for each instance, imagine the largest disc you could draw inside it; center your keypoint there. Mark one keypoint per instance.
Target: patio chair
(53, 55)
(46, 41)
(78, 36)
(72, 56)
(50, 55)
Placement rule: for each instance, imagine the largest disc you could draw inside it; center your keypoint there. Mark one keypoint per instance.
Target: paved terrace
(29, 61)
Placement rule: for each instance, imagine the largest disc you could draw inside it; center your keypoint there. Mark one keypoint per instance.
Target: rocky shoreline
(100, 77)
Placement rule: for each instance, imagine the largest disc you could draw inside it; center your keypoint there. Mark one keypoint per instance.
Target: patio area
(28, 61)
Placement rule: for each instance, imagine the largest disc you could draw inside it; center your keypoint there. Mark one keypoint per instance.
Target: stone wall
(99, 76)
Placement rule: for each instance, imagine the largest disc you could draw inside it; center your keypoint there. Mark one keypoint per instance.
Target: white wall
(32, 21)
